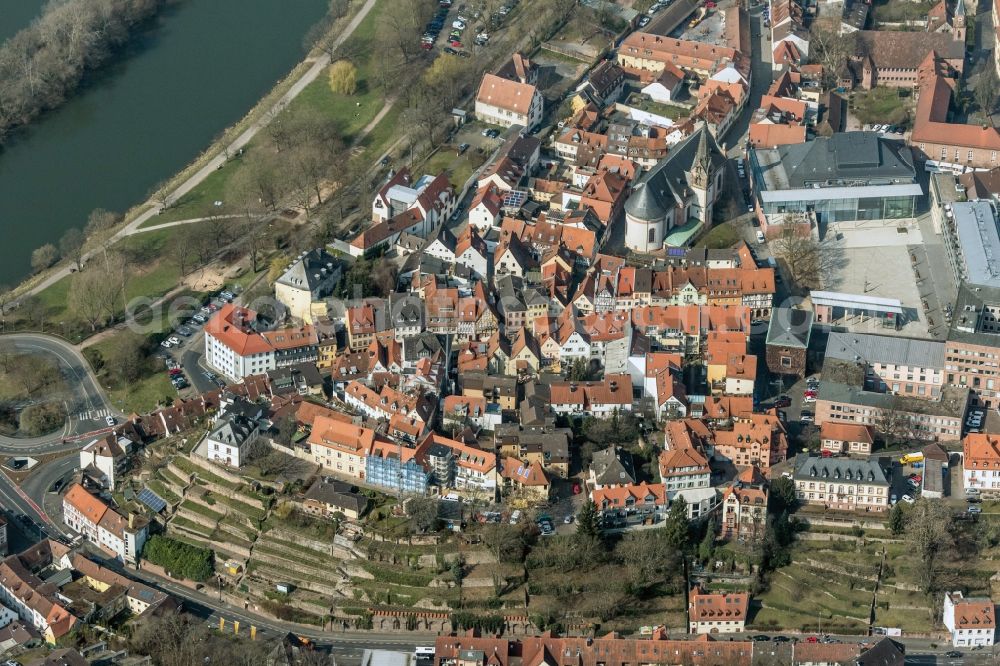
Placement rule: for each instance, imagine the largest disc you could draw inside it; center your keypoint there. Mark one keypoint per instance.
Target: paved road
(319, 64)
(87, 410)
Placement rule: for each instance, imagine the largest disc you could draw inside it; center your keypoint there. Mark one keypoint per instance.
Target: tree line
(42, 64)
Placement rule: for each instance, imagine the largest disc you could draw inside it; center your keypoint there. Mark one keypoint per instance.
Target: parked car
(166, 344)
(953, 654)
(185, 331)
(761, 239)
(973, 510)
(458, 25)
(782, 401)
(908, 499)
(449, 50)
(174, 340)
(644, 21)
(110, 420)
(806, 417)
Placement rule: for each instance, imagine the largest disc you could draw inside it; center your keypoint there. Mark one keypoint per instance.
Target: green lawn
(142, 396)
(720, 237)
(387, 129)
(200, 202)
(881, 105)
(458, 167)
(666, 110)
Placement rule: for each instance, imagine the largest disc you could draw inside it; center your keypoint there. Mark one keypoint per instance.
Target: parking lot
(459, 29)
(176, 349)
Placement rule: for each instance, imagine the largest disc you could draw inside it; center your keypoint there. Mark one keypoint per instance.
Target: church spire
(702, 164)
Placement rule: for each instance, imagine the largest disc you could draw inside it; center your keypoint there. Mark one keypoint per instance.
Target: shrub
(42, 418)
(179, 558)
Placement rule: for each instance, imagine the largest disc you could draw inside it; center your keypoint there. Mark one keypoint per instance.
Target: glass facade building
(386, 472)
(852, 176)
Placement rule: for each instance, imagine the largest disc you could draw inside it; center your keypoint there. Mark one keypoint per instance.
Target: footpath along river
(144, 116)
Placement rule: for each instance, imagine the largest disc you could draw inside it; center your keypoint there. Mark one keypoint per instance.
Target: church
(673, 202)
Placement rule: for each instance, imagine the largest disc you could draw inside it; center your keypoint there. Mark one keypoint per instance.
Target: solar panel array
(152, 500)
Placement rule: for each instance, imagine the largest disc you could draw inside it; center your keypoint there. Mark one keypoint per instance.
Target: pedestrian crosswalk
(93, 415)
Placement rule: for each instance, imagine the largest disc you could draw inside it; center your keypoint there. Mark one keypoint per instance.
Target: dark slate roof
(839, 469)
(790, 328)
(338, 494)
(966, 319)
(663, 186)
(310, 270)
(416, 347)
(612, 467)
(848, 157)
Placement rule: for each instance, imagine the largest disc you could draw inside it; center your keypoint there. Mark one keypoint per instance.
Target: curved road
(86, 411)
(88, 408)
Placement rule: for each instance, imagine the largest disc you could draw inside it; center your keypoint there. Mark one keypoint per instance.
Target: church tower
(700, 178)
(958, 21)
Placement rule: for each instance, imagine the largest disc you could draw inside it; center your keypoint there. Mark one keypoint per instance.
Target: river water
(201, 68)
(17, 14)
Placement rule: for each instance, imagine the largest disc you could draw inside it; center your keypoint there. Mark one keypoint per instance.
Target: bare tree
(928, 533)
(253, 230)
(986, 91)
(830, 48)
(801, 253)
(71, 246)
(92, 296)
(160, 194)
(892, 422)
(5, 298)
(179, 251)
(44, 257)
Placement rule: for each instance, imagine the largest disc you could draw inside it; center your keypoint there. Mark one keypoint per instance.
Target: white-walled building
(107, 456)
(508, 102)
(231, 440)
(981, 463)
(673, 201)
(306, 282)
(972, 622)
(721, 613)
(100, 524)
(235, 348)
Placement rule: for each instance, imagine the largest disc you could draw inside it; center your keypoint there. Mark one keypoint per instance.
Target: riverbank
(46, 62)
(44, 297)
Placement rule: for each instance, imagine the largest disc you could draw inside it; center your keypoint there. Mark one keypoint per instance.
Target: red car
(426, 46)
(812, 639)
(457, 44)
(916, 478)
(174, 372)
(810, 393)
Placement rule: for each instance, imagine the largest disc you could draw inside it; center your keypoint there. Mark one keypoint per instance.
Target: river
(17, 14)
(143, 118)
